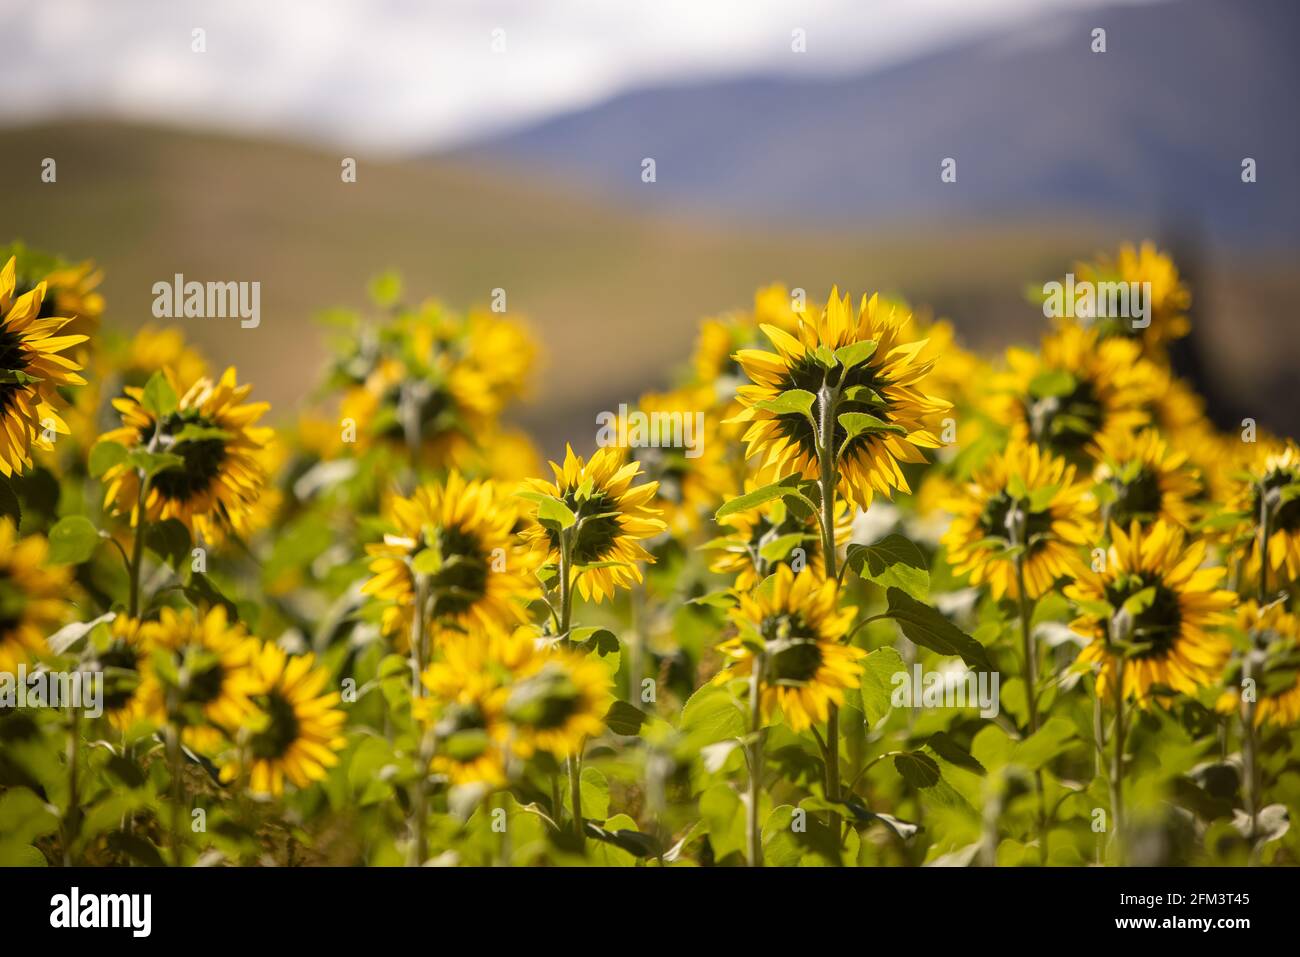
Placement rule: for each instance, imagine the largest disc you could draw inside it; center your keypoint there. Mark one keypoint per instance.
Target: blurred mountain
(1154, 129)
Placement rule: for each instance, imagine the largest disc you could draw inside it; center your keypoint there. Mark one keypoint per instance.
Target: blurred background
(500, 143)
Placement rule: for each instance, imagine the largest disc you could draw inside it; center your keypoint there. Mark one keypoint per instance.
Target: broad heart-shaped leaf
(929, 629)
(625, 719)
(917, 768)
(159, 397)
(710, 715)
(1055, 736)
(948, 749)
(894, 560)
(778, 548)
(878, 681)
(170, 540)
(1054, 383)
(759, 496)
(104, 455)
(551, 511)
(791, 402)
(151, 463)
(73, 540)
(855, 353)
(859, 423)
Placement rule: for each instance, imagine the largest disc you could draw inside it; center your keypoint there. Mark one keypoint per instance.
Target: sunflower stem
(175, 761)
(419, 651)
(753, 832)
(1117, 764)
(72, 815)
(137, 549)
(826, 399)
(1030, 678)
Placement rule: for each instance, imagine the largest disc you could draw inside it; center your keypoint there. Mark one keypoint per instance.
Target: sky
(401, 76)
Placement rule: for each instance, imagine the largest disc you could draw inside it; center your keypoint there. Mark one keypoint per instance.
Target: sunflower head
(459, 535)
(1153, 613)
(1141, 479)
(212, 471)
(852, 374)
(792, 630)
(1269, 486)
(33, 596)
(469, 684)
(761, 539)
(200, 675)
(1275, 631)
(1025, 507)
(557, 701)
(293, 729)
(1169, 297)
(1078, 388)
(31, 371)
(593, 512)
(123, 660)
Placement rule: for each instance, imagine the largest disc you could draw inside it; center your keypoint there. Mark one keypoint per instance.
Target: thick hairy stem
(1030, 678)
(1117, 765)
(828, 481)
(753, 831)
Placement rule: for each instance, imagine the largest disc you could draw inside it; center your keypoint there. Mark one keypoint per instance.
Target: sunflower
(1169, 296)
(460, 534)
(884, 387)
(1143, 480)
(1154, 608)
(1080, 388)
(1278, 689)
(558, 701)
(123, 662)
(613, 518)
(773, 527)
(31, 370)
(805, 667)
(294, 729)
(33, 596)
(468, 688)
(690, 463)
(212, 429)
(200, 675)
(1272, 469)
(1023, 497)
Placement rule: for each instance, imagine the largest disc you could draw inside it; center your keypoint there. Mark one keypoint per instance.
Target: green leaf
(25, 816)
(1055, 383)
(948, 749)
(917, 768)
(73, 540)
(625, 719)
(855, 353)
(169, 540)
(791, 402)
(892, 561)
(193, 432)
(880, 666)
(710, 715)
(758, 497)
(151, 463)
(63, 640)
(104, 455)
(779, 548)
(553, 512)
(929, 629)
(595, 794)
(860, 423)
(1056, 736)
(385, 289)
(159, 396)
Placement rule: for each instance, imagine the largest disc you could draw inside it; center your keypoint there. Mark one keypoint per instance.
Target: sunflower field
(845, 593)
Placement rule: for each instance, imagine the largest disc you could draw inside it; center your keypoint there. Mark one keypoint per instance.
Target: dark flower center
(462, 579)
(203, 458)
(1157, 618)
(1065, 424)
(599, 526)
(994, 520)
(860, 391)
(545, 701)
(1286, 517)
(1136, 499)
(281, 730)
(13, 361)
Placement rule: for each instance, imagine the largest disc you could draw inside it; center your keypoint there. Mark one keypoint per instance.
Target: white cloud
(401, 74)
